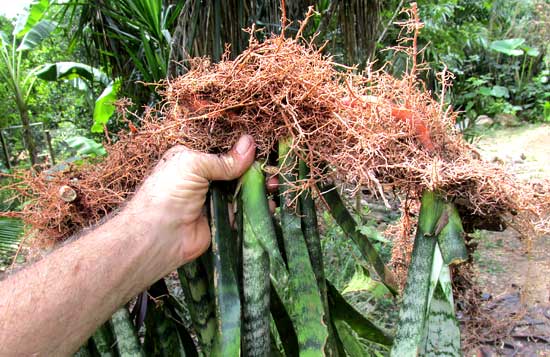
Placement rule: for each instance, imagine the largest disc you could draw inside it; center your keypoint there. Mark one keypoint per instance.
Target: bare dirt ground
(514, 274)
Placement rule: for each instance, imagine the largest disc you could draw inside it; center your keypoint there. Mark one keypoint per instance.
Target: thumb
(230, 165)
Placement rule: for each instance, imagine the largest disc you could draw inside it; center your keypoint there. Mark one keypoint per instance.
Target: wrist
(145, 234)
(175, 236)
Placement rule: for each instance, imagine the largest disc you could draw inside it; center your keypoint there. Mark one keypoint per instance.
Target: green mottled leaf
(256, 272)
(442, 334)
(352, 345)
(126, 339)
(227, 301)
(415, 297)
(306, 307)
(104, 341)
(284, 325)
(194, 282)
(161, 338)
(313, 242)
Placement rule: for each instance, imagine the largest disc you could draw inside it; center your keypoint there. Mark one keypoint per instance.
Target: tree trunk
(25, 122)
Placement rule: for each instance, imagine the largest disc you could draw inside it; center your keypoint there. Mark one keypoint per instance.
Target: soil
(514, 273)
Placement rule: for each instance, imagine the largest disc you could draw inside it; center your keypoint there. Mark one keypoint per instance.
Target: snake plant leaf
(104, 341)
(83, 351)
(226, 291)
(313, 242)
(451, 238)
(161, 333)
(311, 232)
(442, 333)
(256, 267)
(415, 297)
(306, 308)
(195, 285)
(256, 216)
(437, 266)
(351, 343)
(344, 219)
(284, 325)
(126, 340)
(177, 312)
(341, 310)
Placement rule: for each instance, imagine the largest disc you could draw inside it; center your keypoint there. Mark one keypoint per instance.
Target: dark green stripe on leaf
(306, 307)
(195, 284)
(442, 333)
(227, 301)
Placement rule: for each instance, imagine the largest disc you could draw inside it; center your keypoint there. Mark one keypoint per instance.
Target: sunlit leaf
(361, 281)
(105, 106)
(509, 47)
(442, 334)
(36, 35)
(71, 70)
(86, 146)
(531, 51)
(26, 21)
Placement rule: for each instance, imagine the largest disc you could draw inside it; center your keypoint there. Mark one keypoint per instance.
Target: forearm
(51, 307)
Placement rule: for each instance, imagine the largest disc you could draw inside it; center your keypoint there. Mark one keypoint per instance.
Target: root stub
(375, 130)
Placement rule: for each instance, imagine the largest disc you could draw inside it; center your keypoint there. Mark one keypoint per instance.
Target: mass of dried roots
(370, 130)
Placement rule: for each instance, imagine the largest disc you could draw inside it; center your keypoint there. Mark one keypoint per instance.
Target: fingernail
(243, 144)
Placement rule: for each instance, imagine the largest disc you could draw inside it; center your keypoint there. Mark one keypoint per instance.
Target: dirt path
(515, 275)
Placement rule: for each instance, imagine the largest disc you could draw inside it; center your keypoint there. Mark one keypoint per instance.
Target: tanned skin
(51, 307)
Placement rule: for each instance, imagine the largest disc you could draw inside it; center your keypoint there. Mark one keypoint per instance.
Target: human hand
(172, 198)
